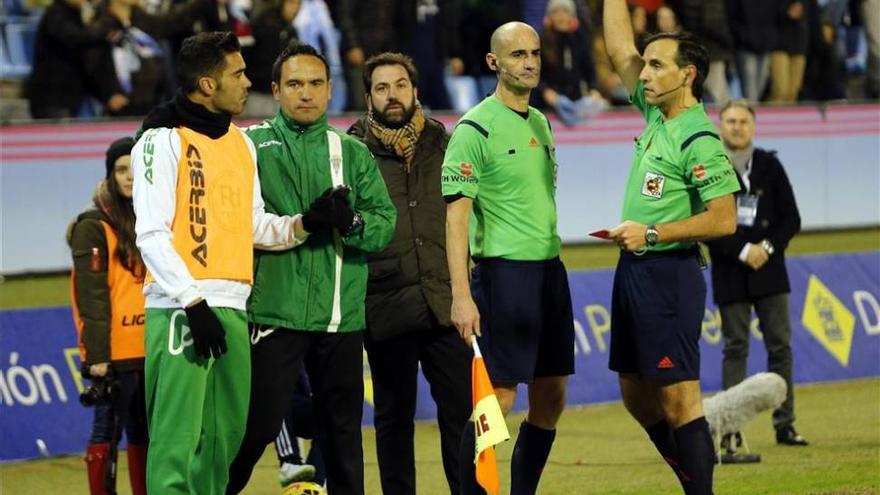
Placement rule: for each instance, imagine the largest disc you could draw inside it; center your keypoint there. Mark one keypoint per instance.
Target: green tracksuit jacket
(296, 288)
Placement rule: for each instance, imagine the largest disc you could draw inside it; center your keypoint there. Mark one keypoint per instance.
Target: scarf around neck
(400, 141)
(181, 111)
(740, 158)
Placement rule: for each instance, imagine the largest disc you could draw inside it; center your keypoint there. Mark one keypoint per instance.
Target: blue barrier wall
(835, 311)
(832, 155)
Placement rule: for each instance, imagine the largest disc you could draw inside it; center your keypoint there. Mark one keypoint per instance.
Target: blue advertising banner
(835, 313)
(39, 384)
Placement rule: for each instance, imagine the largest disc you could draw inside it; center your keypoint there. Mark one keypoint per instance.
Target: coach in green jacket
(308, 303)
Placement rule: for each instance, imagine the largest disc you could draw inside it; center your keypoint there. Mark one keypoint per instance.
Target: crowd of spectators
(116, 57)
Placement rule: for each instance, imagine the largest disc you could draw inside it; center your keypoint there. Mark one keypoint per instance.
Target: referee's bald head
(508, 32)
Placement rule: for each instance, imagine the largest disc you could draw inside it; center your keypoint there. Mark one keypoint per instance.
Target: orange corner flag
(491, 429)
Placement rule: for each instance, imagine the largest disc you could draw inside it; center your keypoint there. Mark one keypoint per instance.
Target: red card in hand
(601, 234)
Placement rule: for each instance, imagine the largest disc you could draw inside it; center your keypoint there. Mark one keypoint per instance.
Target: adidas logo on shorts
(665, 363)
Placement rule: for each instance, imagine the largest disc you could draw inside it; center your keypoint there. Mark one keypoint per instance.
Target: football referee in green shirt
(680, 190)
(499, 183)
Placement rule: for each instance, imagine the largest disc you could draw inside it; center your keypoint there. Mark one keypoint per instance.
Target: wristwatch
(768, 246)
(652, 237)
(357, 225)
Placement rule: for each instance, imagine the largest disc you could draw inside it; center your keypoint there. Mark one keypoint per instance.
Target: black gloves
(320, 213)
(331, 210)
(343, 215)
(209, 338)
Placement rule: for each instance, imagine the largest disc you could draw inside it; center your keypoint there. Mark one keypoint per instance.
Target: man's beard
(405, 117)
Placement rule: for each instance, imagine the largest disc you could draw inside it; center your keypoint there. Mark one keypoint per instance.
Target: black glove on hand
(208, 335)
(343, 215)
(320, 214)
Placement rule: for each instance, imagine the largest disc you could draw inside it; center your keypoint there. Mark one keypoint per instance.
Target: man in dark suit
(748, 267)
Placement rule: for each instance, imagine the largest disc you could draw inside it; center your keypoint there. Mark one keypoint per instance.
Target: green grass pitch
(599, 449)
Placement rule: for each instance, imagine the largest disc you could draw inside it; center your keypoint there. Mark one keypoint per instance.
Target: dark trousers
(300, 423)
(334, 363)
(126, 410)
(775, 324)
(394, 365)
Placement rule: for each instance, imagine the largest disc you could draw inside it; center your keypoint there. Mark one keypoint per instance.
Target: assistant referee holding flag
(679, 191)
(498, 180)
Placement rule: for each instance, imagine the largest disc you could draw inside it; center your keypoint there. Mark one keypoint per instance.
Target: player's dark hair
(690, 52)
(294, 48)
(389, 58)
(204, 55)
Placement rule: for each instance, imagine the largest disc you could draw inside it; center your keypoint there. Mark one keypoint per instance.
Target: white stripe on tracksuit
(334, 144)
(283, 442)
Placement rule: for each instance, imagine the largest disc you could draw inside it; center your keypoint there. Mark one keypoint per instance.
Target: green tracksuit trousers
(196, 408)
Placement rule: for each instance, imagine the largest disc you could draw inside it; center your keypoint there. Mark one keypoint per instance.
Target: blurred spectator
(667, 21)
(609, 83)
(639, 18)
(424, 29)
(533, 13)
(650, 6)
(594, 7)
(788, 58)
(753, 26)
(477, 20)
(36, 5)
(368, 27)
(132, 66)
(315, 26)
(59, 81)
(707, 19)
(272, 29)
(824, 76)
(567, 69)
(870, 10)
(215, 19)
(428, 32)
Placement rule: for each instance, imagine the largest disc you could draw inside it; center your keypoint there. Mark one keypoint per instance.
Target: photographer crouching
(108, 309)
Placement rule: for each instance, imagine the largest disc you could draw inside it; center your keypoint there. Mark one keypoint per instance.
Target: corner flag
(491, 429)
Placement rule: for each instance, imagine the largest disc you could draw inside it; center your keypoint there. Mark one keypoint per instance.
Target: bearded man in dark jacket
(408, 293)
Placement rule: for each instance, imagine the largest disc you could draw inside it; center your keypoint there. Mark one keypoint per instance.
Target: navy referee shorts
(657, 307)
(526, 319)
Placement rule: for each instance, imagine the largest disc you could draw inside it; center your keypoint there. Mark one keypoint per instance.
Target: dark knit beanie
(120, 147)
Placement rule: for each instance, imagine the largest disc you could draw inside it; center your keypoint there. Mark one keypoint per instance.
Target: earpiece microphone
(505, 71)
(660, 95)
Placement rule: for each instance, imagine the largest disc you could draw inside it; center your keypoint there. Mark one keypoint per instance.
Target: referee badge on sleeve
(653, 185)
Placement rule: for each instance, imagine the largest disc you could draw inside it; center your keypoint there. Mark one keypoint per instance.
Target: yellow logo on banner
(828, 320)
(71, 356)
(368, 381)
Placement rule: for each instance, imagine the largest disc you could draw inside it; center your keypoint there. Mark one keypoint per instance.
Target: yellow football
(303, 488)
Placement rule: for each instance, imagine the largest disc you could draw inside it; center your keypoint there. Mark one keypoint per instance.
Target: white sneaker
(290, 473)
